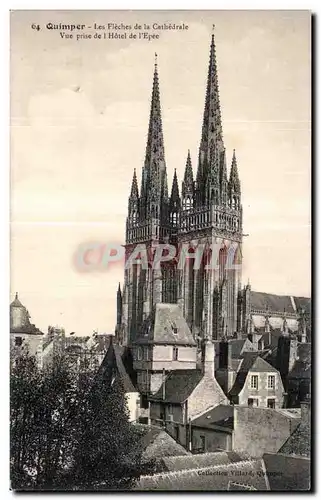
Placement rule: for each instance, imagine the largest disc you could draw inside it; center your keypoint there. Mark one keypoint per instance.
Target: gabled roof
(179, 385)
(166, 325)
(113, 366)
(221, 415)
(239, 346)
(157, 444)
(251, 362)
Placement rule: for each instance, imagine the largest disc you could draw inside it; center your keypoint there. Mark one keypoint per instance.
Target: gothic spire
(212, 123)
(154, 176)
(188, 182)
(175, 191)
(134, 189)
(234, 181)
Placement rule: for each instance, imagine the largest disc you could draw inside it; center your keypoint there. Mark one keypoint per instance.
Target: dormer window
(174, 328)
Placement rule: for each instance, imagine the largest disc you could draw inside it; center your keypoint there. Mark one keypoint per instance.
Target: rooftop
(179, 384)
(166, 325)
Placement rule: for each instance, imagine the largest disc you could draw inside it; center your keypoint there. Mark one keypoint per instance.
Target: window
(18, 341)
(271, 403)
(254, 382)
(146, 354)
(271, 382)
(202, 441)
(174, 328)
(175, 353)
(144, 402)
(139, 354)
(176, 432)
(253, 402)
(170, 409)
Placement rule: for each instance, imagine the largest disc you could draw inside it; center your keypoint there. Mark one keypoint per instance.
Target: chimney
(209, 357)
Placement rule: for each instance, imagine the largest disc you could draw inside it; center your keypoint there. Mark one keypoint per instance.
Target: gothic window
(233, 202)
(188, 203)
(174, 218)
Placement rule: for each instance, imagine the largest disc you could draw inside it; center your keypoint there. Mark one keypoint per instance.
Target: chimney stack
(209, 359)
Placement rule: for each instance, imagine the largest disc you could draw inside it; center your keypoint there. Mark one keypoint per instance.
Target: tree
(70, 430)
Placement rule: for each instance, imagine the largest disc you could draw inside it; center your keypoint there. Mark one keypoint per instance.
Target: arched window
(235, 200)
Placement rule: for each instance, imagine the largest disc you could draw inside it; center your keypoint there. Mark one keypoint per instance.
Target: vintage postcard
(160, 316)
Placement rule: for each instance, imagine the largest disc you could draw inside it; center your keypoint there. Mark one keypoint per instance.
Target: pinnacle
(134, 189)
(175, 190)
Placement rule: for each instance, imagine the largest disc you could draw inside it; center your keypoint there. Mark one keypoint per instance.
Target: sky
(79, 121)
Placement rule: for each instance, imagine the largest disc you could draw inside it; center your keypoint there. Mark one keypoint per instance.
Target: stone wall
(261, 430)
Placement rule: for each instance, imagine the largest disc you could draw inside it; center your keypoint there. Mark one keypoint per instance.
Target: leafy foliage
(70, 430)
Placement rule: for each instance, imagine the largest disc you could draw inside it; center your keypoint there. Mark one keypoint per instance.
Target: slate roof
(16, 303)
(199, 461)
(275, 303)
(299, 441)
(221, 415)
(216, 478)
(179, 384)
(272, 338)
(303, 302)
(251, 362)
(113, 366)
(157, 444)
(166, 325)
(238, 346)
(30, 329)
(287, 473)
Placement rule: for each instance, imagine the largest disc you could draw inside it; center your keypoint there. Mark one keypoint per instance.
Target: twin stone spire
(211, 185)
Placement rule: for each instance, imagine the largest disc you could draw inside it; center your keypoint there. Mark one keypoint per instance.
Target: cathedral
(167, 314)
(206, 211)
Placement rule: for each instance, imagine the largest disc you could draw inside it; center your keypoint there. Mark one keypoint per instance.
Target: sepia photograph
(160, 250)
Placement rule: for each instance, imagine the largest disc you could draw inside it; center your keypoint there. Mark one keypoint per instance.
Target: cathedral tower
(207, 214)
(212, 215)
